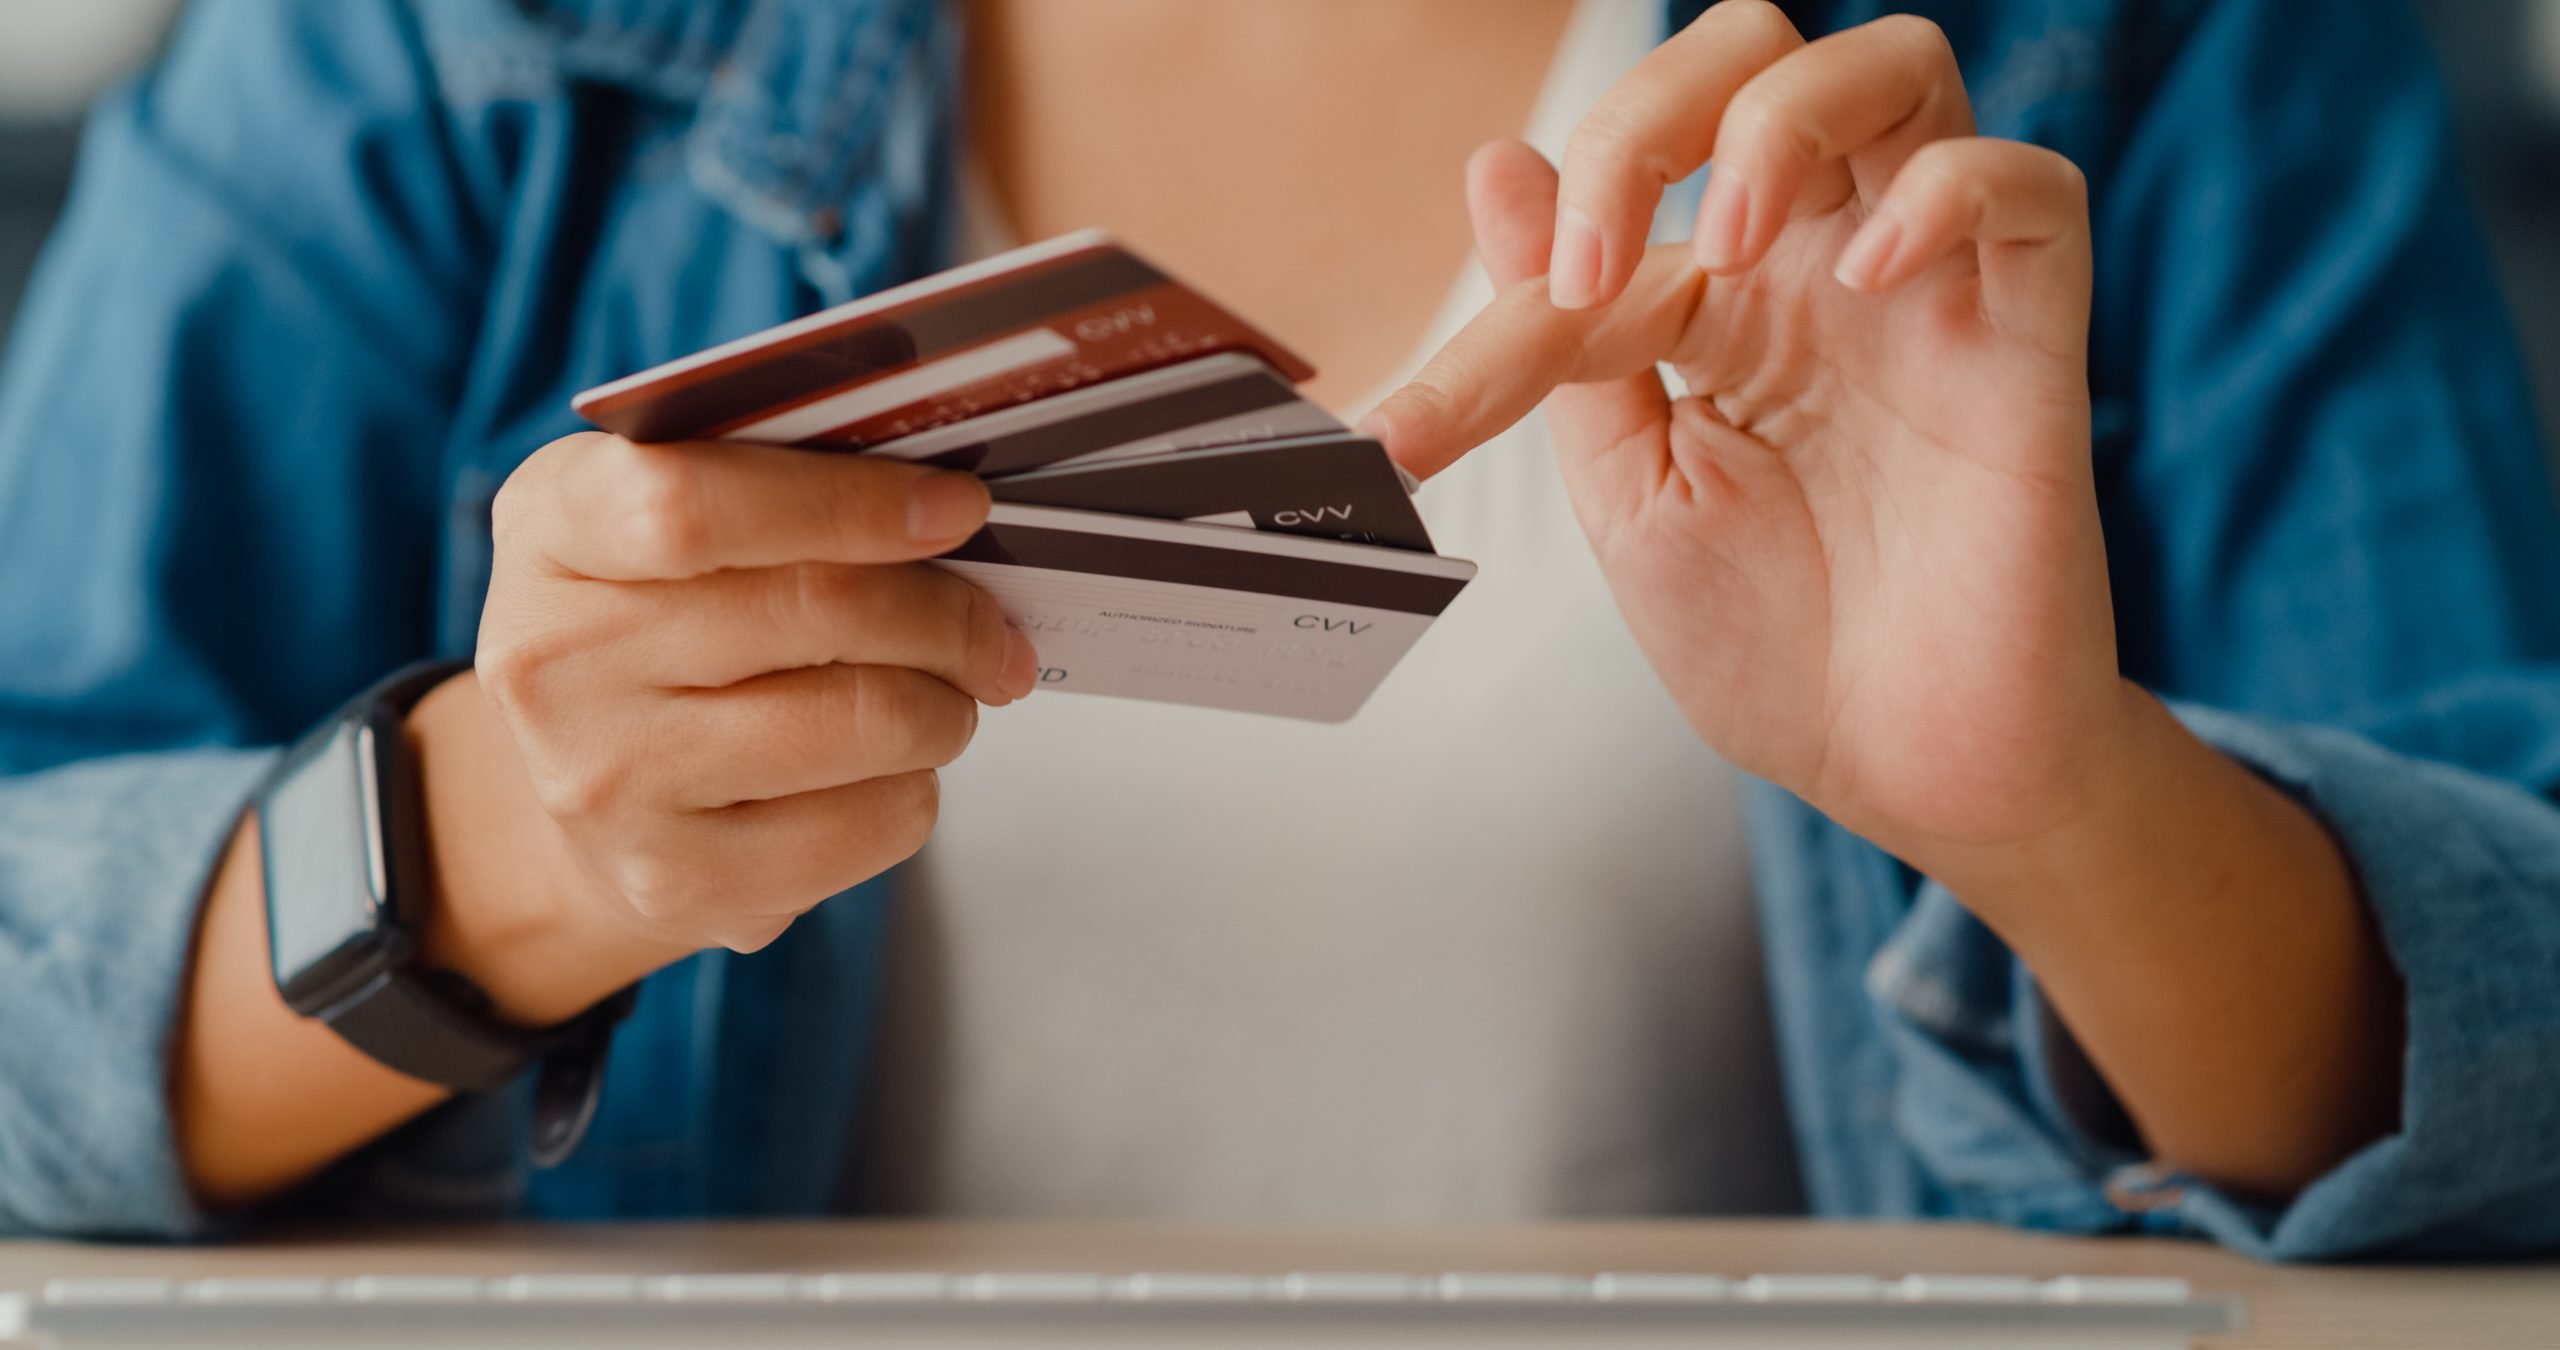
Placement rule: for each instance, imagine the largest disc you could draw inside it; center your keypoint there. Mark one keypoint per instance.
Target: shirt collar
(823, 122)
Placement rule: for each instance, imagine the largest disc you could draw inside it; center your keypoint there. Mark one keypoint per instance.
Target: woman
(2208, 972)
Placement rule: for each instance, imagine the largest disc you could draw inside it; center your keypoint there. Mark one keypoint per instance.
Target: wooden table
(2381, 1307)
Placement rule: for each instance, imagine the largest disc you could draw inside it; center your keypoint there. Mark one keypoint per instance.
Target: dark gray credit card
(1332, 487)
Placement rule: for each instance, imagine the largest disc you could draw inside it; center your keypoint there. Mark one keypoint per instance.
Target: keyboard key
(237, 1290)
(1813, 1289)
(1463, 1287)
(109, 1293)
(875, 1287)
(1986, 1289)
(1149, 1288)
(410, 1289)
(566, 1288)
(1041, 1288)
(2115, 1289)
(1653, 1288)
(721, 1288)
(1320, 1287)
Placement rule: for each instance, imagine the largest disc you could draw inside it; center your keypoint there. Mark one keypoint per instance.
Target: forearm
(689, 724)
(2202, 936)
(263, 1098)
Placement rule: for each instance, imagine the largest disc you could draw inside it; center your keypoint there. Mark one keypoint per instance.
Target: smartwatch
(342, 839)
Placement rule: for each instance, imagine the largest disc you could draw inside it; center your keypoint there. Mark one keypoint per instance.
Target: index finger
(608, 508)
(1653, 128)
(1520, 347)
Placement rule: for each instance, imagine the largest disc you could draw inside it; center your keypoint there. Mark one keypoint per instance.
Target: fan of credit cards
(1171, 521)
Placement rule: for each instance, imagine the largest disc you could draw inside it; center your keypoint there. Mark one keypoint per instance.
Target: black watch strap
(571, 1084)
(437, 1026)
(400, 1013)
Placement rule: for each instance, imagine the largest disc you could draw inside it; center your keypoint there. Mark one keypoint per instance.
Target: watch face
(321, 832)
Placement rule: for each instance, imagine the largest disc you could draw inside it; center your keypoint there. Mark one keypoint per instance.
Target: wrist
(2160, 805)
(510, 907)
(2140, 773)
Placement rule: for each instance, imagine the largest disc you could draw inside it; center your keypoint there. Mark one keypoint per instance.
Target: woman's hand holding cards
(1863, 551)
(712, 688)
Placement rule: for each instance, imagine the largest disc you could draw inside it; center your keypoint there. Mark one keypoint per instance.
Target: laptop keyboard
(123, 1309)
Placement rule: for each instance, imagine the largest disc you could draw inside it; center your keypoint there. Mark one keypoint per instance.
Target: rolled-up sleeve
(100, 863)
(2462, 874)
(221, 428)
(2335, 551)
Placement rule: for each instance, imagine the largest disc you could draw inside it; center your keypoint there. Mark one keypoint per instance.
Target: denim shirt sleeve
(2333, 541)
(100, 864)
(219, 446)
(2462, 873)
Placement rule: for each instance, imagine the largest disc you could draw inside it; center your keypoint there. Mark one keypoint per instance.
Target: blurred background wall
(2502, 57)
(55, 55)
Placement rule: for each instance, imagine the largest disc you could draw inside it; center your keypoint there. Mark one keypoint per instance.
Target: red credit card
(1071, 312)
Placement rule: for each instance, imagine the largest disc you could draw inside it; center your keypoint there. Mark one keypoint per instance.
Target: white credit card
(1177, 612)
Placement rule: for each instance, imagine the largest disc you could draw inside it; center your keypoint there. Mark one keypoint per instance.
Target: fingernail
(1021, 672)
(1869, 252)
(1723, 219)
(1373, 424)
(944, 506)
(1573, 270)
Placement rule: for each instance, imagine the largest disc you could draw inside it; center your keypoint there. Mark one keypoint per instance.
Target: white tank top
(1484, 952)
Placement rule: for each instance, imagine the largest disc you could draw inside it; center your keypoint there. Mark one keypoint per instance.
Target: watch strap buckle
(571, 1083)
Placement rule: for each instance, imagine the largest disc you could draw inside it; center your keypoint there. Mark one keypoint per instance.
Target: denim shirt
(332, 270)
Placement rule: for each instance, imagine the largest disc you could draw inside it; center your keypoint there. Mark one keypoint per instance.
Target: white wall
(2543, 29)
(56, 54)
